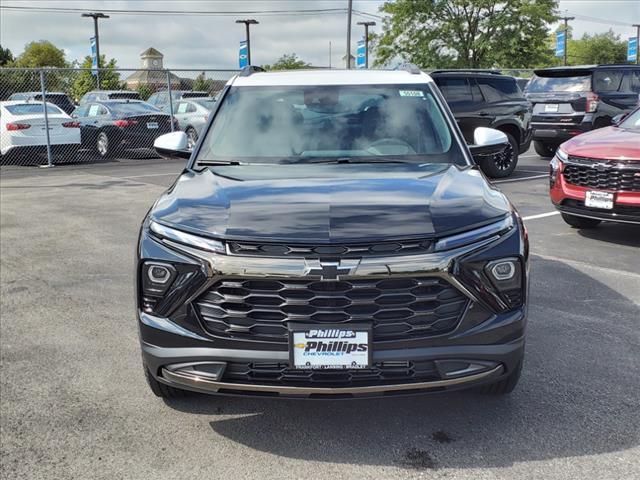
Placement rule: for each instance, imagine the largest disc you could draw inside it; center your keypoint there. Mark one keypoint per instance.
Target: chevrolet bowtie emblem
(330, 271)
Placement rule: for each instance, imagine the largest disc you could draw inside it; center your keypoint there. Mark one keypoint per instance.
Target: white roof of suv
(330, 77)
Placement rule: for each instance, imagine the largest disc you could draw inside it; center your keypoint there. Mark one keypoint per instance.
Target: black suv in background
(568, 101)
(489, 99)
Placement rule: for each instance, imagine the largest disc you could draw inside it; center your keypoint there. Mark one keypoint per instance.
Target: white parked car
(23, 132)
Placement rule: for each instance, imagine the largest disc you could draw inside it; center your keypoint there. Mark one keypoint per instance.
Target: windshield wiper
(353, 160)
(214, 163)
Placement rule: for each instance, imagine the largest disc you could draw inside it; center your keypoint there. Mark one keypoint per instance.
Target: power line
(603, 21)
(317, 11)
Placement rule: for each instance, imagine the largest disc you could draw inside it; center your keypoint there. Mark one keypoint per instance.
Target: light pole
(248, 22)
(366, 41)
(95, 17)
(566, 36)
(350, 6)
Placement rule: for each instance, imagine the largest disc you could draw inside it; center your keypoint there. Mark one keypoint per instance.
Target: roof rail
(249, 70)
(408, 67)
(469, 70)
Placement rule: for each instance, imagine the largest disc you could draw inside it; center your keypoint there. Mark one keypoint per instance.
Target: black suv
(331, 236)
(488, 99)
(568, 101)
(59, 99)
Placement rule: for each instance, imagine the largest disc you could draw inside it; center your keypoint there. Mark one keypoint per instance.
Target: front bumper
(485, 345)
(569, 199)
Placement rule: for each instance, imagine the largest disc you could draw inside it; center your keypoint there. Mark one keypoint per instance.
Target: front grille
(401, 247)
(399, 308)
(602, 174)
(380, 374)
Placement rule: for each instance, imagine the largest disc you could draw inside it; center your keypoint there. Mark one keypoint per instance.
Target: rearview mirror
(487, 142)
(173, 145)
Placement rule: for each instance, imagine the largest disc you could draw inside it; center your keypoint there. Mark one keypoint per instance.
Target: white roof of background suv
(330, 77)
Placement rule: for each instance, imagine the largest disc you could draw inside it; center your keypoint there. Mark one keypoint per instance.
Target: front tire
(192, 137)
(103, 145)
(580, 222)
(160, 389)
(545, 150)
(503, 164)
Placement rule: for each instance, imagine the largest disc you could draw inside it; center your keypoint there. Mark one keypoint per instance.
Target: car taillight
(125, 123)
(592, 102)
(71, 124)
(18, 126)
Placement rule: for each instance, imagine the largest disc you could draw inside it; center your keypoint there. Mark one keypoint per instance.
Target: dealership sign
(94, 56)
(561, 43)
(361, 54)
(243, 58)
(632, 49)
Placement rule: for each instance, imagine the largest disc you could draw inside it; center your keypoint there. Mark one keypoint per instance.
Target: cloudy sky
(211, 41)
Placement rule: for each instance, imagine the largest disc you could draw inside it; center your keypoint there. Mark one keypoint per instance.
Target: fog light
(159, 274)
(504, 270)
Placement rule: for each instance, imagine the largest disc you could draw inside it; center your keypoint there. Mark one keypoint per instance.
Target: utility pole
(95, 17)
(637, 25)
(349, 34)
(566, 36)
(366, 41)
(248, 22)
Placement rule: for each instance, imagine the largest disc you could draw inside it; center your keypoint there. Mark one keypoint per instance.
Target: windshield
(580, 83)
(311, 124)
(205, 102)
(632, 122)
(127, 108)
(31, 108)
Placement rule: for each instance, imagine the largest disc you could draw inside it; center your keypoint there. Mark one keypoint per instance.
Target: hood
(605, 143)
(329, 203)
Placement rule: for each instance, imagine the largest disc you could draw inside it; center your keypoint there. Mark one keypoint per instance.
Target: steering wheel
(390, 146)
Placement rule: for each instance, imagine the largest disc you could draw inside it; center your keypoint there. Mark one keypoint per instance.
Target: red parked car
(596, 176)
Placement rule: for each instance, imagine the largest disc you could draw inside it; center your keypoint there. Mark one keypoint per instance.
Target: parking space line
(531, 177)
(586, 265)
(541, 215)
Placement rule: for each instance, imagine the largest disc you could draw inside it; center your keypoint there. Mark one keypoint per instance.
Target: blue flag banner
(243, 58)
(632, 49)
(94, 56)
(561, 43)
(361, 53)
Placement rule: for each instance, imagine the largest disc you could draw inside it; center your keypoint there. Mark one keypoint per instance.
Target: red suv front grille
(603, 174)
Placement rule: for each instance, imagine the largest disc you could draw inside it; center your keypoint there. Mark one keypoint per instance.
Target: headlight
(555, 166)
(185, 238)
(473, 236)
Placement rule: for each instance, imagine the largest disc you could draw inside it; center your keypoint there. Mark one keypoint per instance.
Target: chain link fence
(52, 116)
(120, 118)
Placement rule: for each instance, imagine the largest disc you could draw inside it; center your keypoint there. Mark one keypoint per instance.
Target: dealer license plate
(551, 107)
(152, 124)
(596, 199)
(318, 347)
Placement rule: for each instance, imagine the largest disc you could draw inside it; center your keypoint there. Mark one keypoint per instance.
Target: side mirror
(617, 120)
(172, 145)
(487, 142)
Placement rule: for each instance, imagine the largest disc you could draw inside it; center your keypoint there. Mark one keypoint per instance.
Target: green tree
(145, 91)
(465, 33)
(6, 57)
(202, 83)
(41, 54)
(288, 62)
(85, 81)
(597, 48)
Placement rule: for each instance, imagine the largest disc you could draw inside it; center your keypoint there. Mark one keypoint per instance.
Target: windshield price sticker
(411, 93)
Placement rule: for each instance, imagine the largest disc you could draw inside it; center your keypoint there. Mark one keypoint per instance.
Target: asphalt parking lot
(74, 402)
